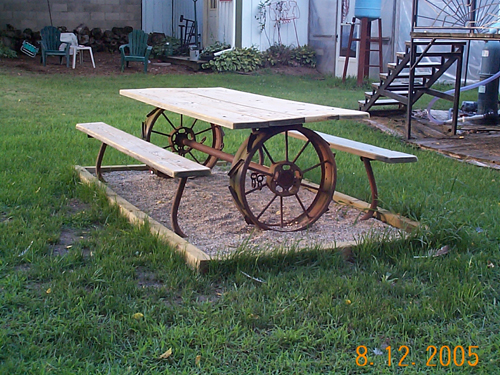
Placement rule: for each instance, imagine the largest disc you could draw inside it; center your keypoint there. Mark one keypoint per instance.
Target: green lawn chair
(51, 45)
(137, 49)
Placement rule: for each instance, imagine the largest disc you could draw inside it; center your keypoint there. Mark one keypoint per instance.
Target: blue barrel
(367, 9)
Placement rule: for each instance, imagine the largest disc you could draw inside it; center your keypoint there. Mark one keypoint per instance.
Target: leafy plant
(277, 54)
(6, 51)
(216, 47)
(304, 56)
(261, 15)
(166, 46)
(236, 60)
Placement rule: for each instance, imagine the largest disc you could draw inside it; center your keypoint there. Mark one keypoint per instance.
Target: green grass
(73, 312)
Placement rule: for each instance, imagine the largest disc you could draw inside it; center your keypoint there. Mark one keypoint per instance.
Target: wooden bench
(155, 157)
(367, 153)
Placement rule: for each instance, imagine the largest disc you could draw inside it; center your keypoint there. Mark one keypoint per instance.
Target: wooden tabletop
(236, 109)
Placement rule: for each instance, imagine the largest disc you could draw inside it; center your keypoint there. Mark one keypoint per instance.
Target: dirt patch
(107, 64)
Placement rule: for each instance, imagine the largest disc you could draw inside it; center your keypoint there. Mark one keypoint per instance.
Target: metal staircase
(428, 62)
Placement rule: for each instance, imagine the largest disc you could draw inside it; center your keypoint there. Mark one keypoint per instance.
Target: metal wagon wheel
(161, 130)
(478, 15)
(278, 196)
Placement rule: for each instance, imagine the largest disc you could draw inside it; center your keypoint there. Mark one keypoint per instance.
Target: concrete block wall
(106, 14)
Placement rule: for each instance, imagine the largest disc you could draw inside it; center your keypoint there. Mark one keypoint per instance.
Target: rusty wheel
(161, 130)
(274, 195)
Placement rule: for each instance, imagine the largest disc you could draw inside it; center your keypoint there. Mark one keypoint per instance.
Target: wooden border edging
(194, 256)
(197, 258)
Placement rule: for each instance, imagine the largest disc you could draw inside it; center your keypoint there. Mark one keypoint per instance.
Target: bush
(166, 46)
(304, 56)
(236, 60)
(280, 54)
(250, 59)
(6, 51)
(277, 54)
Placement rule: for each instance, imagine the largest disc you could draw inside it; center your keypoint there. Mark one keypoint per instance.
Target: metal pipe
(222, 155)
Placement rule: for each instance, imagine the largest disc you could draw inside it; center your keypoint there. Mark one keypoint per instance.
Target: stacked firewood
(100, 40)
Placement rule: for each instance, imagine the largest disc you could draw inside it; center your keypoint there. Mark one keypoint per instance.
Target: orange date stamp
(443, 356)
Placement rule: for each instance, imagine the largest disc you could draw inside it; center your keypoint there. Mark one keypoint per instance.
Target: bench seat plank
(155, 157)
(361, 149)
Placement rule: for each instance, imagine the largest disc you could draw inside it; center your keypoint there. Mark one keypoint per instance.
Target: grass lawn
(118, 299)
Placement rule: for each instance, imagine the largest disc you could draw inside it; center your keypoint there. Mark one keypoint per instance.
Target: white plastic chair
(76, 48)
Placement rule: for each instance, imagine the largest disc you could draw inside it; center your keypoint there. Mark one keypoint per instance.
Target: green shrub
(6, 51)
(304, 56)
(168, 46)
(277, 54)
(216, 47)
(236, 60)
(250, 59)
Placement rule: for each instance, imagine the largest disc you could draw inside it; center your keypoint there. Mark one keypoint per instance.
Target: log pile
(100, 40)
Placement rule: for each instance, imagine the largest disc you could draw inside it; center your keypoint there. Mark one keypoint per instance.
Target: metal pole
(195, 26)
(50, 14)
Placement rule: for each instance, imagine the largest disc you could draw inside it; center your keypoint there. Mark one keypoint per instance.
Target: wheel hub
(284, 179)
(177, 138)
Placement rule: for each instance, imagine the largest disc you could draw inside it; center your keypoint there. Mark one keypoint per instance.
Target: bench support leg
(98, 162)
(175, 206)
(373, 188)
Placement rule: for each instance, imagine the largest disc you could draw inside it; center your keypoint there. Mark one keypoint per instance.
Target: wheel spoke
(281, 211)
(300, 152)
(267, 206)
(268, 154)
(255, 189)
(168, 120)
(286, 146)
(203, 131)
(161, 133)
(314, 166)
(194, 123)
(302, 205)
(194, 157)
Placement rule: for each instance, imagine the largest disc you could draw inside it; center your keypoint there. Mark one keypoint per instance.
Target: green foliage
(261, 15)
(250, 59)
(216, 47)
(280, 54)
(277, 54)
(304, 56)
(166, 46)
(6, 51)
(236, 60)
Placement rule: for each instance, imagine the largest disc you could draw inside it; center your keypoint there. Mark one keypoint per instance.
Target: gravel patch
(212, 223)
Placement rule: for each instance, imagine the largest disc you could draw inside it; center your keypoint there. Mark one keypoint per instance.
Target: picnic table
(271, 171)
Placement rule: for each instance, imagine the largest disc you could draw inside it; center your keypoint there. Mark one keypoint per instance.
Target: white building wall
(292, 30)
(226, 22)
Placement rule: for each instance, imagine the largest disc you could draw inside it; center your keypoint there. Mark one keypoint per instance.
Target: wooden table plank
(236, 109)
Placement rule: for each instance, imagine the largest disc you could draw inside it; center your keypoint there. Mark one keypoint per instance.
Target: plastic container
(370, 9)
(194, 53)
(487, 99)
